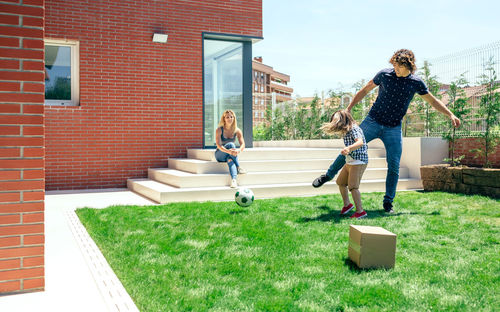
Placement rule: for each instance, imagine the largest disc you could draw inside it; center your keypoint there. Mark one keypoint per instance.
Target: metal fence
(469, 63)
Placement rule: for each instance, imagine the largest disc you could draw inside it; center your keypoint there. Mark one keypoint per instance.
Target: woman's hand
(234, 151)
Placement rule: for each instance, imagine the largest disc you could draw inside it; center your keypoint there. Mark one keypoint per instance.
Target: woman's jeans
(225, 157)
(392, 137)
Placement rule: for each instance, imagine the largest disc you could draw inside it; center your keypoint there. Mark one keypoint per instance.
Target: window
(62, 72)
(256, 88)
(262, 89)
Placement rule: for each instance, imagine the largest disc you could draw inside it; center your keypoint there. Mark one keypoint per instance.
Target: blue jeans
(233, 165)
(392, 137)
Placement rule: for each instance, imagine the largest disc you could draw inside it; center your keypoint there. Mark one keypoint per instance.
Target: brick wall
(463, 147)
(21, 146)
(140, 102)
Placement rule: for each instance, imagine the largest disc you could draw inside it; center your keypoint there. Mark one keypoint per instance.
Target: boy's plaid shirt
(349, 139)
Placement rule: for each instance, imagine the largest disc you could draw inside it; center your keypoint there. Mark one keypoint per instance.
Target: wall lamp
(160, 38)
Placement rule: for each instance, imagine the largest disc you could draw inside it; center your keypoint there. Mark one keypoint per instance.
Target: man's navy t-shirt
(394, 96)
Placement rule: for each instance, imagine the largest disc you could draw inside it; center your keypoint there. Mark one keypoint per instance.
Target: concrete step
(163, 193)
(183, 179)
(281, 153)
(264, 165)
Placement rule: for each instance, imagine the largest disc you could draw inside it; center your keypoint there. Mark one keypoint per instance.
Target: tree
(489, 111)
(421, 106)
(460, 107)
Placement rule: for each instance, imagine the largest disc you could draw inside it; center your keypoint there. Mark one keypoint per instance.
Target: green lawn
(290, 254)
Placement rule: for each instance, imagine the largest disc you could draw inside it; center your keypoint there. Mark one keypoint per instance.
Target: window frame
(75, 71)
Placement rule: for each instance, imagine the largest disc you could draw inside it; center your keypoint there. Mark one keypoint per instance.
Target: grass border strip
(110, 287)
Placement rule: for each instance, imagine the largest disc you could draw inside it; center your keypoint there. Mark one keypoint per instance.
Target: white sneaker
(234, 184)
(241, 170)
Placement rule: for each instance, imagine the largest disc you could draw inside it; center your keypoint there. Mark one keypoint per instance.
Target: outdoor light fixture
(160, 38)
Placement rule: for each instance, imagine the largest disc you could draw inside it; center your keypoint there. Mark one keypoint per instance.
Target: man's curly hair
(404, 58)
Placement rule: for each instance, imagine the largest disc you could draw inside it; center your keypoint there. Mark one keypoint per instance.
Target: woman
(226, 151)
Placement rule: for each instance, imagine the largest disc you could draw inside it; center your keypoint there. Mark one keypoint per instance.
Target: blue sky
(324, 43)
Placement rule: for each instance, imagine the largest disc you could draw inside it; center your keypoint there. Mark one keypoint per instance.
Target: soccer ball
(244, 197)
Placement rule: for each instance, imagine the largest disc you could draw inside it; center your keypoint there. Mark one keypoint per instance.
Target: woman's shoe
(234, 184)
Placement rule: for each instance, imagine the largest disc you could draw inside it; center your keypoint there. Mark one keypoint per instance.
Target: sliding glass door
(223, 84)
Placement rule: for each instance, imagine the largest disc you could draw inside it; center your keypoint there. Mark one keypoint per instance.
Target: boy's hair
(340, 122)
(404, 58)
(222, 122)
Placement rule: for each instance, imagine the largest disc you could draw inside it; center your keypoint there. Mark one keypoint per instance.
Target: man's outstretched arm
(440, 107)
(361, 94)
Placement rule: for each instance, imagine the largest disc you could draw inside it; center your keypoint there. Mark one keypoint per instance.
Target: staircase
(271, 172)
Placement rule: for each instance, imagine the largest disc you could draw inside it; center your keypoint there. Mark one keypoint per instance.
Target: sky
(331, 44)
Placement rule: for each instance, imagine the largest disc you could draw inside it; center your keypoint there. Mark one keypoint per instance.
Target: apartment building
(269, 86)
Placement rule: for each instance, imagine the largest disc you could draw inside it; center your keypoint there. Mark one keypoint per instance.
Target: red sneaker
(359, 215)
(346, 209)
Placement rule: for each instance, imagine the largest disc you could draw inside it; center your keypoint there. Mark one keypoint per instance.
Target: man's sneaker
(388, 207)
(346, 209)
(322, 179)
(241, 170)
(359, 215)
(234, 184)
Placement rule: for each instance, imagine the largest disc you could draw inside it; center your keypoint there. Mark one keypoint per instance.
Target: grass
(290, 254)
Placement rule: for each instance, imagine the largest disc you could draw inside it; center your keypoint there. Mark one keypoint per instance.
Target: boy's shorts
(350, 176)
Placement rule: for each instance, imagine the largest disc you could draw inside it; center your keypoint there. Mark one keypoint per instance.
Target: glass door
(223, 84)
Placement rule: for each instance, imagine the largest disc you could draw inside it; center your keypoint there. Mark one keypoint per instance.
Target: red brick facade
(463, 147)
(140, 101)
(21, 146)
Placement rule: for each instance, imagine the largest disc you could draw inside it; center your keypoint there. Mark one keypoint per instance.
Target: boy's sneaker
(241, 170)
(234, 184)
(322, 179)
(388, 207)
(346, 209)
(359, 215)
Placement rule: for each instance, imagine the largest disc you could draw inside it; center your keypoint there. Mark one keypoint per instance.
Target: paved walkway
(77, 278)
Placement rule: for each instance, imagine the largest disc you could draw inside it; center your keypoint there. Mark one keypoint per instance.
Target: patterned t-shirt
(394, 96)
(361, 153)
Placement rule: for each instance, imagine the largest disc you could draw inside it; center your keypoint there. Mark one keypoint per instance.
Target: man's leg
(393, 142)
(371, 130)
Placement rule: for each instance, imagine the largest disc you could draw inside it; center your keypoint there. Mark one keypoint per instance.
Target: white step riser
(262, 166)
(260, 192)
(170, 178)
(277, 154)
(144, 191)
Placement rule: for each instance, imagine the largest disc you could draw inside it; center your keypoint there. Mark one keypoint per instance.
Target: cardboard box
(372, 247)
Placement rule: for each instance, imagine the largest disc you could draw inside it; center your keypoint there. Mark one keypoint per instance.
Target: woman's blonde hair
(340, 122)
(222, 121)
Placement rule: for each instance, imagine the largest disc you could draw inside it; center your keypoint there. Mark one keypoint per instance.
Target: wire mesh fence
(469, 64)
(271, 121)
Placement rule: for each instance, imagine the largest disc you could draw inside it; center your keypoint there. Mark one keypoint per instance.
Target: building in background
(269, 87)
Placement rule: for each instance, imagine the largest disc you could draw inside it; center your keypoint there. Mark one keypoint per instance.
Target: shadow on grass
(335, 217)
(238, 211)
(354, 268)
(329, 216)
(459, 194)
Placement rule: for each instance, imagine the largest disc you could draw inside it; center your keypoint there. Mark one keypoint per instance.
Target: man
(397, 86)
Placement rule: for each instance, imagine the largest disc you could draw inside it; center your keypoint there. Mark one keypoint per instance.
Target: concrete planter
(461, 180)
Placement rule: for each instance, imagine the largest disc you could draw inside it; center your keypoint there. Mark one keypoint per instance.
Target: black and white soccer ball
(244, 197)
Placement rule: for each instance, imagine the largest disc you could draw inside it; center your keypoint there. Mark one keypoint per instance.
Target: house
(95, 92)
